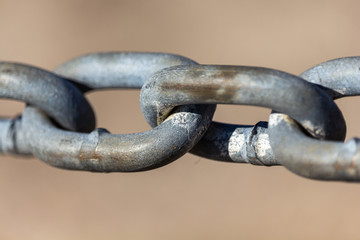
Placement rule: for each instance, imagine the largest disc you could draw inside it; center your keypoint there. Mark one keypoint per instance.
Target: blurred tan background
(192, 198)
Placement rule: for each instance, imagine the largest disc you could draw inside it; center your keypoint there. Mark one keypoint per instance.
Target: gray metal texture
(117, 69)
(63, 102)
(202, 84)
(326, 160)
(105, 152)
(178, 99)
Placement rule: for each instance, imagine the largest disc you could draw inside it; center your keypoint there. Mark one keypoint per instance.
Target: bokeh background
(192, 198)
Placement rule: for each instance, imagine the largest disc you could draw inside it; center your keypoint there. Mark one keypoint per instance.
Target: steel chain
(178, 99)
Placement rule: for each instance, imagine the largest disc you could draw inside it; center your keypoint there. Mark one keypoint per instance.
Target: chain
(178, 98)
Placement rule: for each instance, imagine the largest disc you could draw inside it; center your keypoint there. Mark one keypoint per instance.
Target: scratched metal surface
(191, 198)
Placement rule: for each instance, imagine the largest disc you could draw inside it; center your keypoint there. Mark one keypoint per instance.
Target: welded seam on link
(171, 84)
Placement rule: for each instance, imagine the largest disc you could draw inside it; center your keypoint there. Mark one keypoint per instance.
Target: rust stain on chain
(170, 81)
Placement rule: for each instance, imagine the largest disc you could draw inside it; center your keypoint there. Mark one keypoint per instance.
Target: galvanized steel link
(325, 160)
(211, 84)
(47, 91)
(202, 84)
(105, 152)
(173, 82)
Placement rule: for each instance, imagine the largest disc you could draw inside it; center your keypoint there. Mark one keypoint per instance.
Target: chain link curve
(56, 96)
(202, 84)
(325, 160)
(256, 138)
(104, 152)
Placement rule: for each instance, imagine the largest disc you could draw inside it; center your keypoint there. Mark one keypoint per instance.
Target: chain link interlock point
(212, 85)
(325, 160)
(104, 152)
(57, 97)
(201, 84)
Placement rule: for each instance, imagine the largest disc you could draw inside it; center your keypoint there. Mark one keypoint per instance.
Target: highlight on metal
(178, 98)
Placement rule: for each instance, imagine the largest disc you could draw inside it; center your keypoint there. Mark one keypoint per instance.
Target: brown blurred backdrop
(192, 198)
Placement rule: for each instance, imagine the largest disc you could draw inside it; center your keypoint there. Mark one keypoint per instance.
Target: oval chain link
(178, 99)
(105, 152)
(54, 95)
(201, 84)
(326, 160)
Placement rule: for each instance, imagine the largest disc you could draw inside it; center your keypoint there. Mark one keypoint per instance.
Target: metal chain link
(178, 99)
